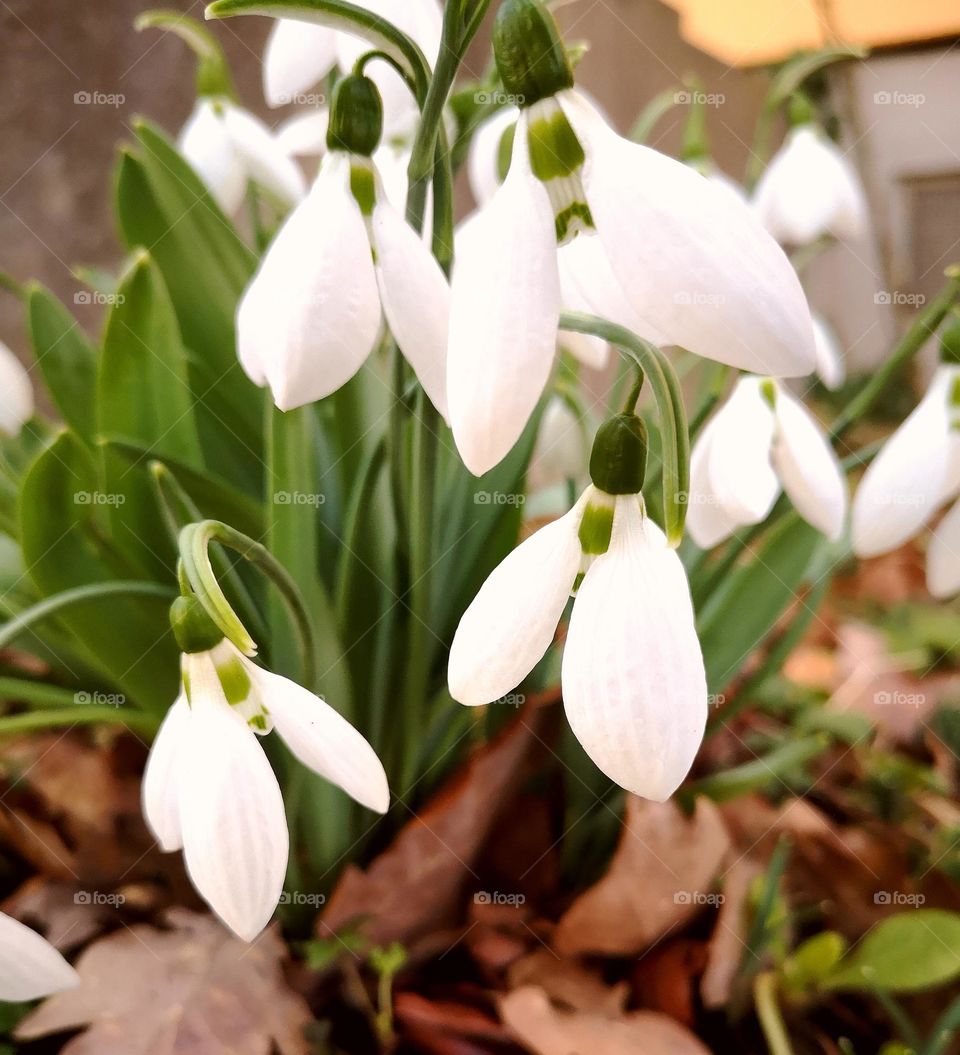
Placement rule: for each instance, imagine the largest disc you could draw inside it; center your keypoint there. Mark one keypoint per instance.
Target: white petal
(311, 315)
(16, 393)
(512, 620)
(707, 522)
(808, 467)
(29, 966)
(160, 795)
(415, 298)
(695, 263)
(505, 304)
(723, 182)
(235, 838)
(265, 160)
(634, 687)
(830, 365)
(904, 485)
(323, 740)
(206, 144)
(809, 189)
(298, 55)
(304, 134)
(739, 468)
(943, 556)
(483, 160)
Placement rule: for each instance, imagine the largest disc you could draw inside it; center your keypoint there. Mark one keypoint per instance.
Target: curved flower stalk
(634, 687)
(16, 393)
(698, 270)
(809, 190)
(344, 259)
(30, 967)
(916, 473)
(299, 55)
(760, 442)
(831, 368)
(208, 788)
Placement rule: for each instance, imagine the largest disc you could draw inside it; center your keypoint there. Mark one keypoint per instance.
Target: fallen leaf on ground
(727, 945)
(568, 982)
(663, 867)
(191, 990)
(414, 886)
(547, 1031)
(65, 916)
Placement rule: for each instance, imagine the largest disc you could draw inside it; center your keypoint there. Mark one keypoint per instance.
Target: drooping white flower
(697, 268)
(809, 190)
(229, 147)
(915, 474)
(30, 967)
(562, 447)
(489, 154)
(634, 687)
(344, 259)
(761, 441)
(299, 55)
(16, 393)
(209, 790)
(831, 368)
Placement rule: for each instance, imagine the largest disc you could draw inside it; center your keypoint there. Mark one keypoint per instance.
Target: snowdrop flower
(634, 687)
(562, 448)
(312, 314)
(915, 474)
(697, 268)
(208, 788)
(229, 147)
(809, 190)
(16, 393)
(761, 441)
(830, 366)
(489, 156)
(29, 966)
(301, 54)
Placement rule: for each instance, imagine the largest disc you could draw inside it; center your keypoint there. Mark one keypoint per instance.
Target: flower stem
(768, 1011)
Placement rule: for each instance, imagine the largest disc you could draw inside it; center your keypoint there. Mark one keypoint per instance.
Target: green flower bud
(530, 56)
(194, 630)
(801, 110)
(356, 116)
(618, 461)
(950, 345)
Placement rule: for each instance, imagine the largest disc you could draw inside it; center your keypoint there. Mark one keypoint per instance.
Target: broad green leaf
(904, 953)
(745, 607)
(66, 358)
(65, 545)
(814, 960)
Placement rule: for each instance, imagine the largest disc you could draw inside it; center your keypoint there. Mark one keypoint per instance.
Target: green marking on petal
(234, 680)
(769, 392)
(575, 218)
(258, 721)
(555, 151)
(363, 188)
(596, 527)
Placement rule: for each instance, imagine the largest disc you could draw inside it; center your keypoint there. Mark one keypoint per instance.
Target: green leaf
(66, 358)
(745, 607)
(813, 961)
(66, 545)
(142, 390)
(905, 953)
(793, 73)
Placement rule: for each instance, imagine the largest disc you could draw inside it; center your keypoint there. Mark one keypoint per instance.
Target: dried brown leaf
(569, 983)
(728, 942)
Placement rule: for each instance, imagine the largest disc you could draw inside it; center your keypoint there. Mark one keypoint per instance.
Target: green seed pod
(530, 56)
(356, 116)
(194, 630)
(618, 461)
(950, 344)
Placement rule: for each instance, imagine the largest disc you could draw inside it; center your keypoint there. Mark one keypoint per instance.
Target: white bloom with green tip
(810, 190)
(229, 148)
(915, 474)
(209, 790)
(30, 967)
(762, 441)
(16, 393)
